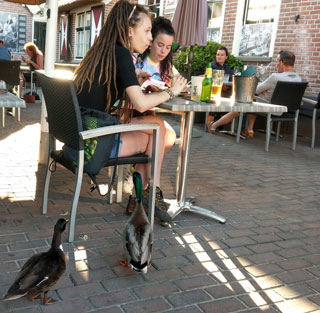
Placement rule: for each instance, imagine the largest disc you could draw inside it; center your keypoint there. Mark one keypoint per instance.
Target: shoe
(127, 181)
(248, 133)
(209, 122)
(161, 207)
(131, 205)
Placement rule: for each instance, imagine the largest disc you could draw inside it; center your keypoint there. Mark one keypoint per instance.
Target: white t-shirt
(270, 83)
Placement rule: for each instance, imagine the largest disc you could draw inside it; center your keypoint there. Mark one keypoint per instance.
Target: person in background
(157, 59)
(35, 62)
(220, 62)
(285, 67)
(4, 52)
(107, 73)
(157, 62)
(36, 57)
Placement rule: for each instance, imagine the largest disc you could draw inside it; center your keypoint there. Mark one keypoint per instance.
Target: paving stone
(112, 298)
(188, 298)
(268, 250)
(294, 276)
(155, 290)
(195, 282)
(151, 305)
(225, 305)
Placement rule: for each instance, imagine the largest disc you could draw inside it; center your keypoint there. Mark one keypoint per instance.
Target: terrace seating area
(264, 259)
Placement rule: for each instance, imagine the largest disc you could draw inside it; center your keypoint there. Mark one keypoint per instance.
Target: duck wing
(146, 245)
(38, 274)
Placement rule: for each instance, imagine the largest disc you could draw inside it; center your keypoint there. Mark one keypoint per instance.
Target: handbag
(96, 150)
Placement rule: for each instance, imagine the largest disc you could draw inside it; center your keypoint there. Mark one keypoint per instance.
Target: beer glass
(217, 82)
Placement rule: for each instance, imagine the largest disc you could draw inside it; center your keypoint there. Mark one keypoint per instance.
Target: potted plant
(202, 56)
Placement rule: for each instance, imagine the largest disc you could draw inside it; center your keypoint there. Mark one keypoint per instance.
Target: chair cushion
(284, 117)
(134, 159)
(308, 112)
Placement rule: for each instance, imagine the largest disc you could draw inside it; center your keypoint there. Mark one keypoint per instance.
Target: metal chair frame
(65, 124)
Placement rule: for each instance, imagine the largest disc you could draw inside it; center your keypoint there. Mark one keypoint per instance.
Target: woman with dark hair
(157, 59)
(107, 74)
(220, 62)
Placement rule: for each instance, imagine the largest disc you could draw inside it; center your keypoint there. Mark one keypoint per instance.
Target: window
(154, 6)
(215, 20)
(258, 27)
(83, 34)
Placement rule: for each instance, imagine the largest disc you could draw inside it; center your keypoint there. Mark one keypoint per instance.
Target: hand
(178, 84)
(23, 59)
(142, 76)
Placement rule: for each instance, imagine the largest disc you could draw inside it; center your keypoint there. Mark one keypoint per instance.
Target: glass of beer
(217, 82)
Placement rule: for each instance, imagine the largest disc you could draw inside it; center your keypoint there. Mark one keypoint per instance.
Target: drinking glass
(217, 82)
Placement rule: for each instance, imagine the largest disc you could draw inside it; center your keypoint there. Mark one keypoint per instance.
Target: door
(39, 35)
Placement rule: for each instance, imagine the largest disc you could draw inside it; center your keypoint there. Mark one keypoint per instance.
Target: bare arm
(142, 102)
(266, 85)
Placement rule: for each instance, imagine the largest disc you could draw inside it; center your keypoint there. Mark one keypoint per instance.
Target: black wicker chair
(10, 73)
(311, 109)
(65, 124)
(290, 95)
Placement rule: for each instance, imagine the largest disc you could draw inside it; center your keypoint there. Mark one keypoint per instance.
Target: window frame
(85, 30)
(241, 13)
(222, 17)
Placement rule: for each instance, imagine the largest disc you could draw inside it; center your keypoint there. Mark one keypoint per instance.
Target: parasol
(28, 2)
(190, 25)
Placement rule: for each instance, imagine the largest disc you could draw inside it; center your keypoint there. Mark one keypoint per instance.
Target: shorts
(114, 153)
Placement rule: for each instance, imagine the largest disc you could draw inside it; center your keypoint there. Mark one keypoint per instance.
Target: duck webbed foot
(125, 263)
(47, 300)
(35, 298)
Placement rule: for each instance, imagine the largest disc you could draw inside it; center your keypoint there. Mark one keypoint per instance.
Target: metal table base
(182, 203)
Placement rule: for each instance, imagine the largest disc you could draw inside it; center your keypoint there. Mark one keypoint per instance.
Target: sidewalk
(266, 258)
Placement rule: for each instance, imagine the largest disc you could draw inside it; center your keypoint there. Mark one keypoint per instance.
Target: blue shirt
(4, 54)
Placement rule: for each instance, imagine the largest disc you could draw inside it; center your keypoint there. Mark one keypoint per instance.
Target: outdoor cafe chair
(65, 125)
(10, 73)
(311, 109)
(290, 95)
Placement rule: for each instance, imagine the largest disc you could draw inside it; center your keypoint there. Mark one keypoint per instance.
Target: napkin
(250, 71)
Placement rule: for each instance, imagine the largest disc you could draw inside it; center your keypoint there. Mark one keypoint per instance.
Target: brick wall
(22, 10)
(302, 38)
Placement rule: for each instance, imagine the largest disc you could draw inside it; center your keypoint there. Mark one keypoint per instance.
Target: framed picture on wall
(256, 39)
(13, 30)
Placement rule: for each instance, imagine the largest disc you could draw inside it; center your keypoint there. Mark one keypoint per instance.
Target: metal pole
(50, 58)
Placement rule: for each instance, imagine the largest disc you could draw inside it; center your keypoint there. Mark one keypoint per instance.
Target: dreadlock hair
(102, 53)
(162, 25)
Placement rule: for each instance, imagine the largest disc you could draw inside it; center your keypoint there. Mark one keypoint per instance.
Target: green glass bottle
(206, 85)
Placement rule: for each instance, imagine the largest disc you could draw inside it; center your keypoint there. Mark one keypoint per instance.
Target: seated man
(285, 67)
(4, 52)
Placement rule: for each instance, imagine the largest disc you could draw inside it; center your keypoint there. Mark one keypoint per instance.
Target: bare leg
(170, 137)
(252, 119)
(142, 142)
(225, 119)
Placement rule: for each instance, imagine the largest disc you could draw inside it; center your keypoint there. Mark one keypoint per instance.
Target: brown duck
(137, 234)
(41, 271)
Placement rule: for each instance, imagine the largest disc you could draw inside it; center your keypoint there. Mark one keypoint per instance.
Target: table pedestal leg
(183, 203)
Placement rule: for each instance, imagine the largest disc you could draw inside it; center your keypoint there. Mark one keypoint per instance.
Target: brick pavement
(266, 258)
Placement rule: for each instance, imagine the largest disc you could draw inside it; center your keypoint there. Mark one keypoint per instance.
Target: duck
(42, 271)
(137, 234)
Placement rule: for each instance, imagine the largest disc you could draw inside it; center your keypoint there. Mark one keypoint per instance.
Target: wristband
(170, 93)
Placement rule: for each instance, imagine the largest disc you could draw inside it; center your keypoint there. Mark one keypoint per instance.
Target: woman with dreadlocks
(107, 73)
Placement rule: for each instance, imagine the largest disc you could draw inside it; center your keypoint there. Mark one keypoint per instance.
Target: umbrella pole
(190, 57)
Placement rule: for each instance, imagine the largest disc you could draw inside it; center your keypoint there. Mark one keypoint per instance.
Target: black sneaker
(161, 207)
